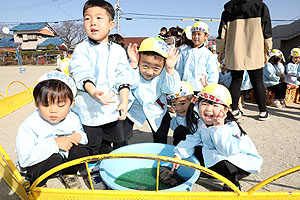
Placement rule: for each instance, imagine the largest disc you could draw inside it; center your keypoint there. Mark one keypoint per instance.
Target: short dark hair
(117, 38)
(102, 4)
(163, 29)
(51, 90)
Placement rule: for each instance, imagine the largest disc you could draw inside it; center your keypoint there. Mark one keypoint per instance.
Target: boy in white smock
(101, 71)
(53, 134)
(197, 62)
(154, 76)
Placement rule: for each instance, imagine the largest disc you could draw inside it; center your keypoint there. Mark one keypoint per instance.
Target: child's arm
(99, 95)
(123, 107)
(133, 55)
(171, 61)
(65, 143)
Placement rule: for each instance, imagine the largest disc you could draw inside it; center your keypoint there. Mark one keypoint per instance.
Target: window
(32, 37)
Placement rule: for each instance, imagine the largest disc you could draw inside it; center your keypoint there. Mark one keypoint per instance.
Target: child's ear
(206, 36)
(72, 104)
(112, 25)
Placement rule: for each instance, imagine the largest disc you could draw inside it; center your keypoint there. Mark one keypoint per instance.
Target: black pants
(279, 90)
(161, 135)
(35, 171)
(224, 168)
(179, 134)
(127, 131)
(111, 132)
(256, 79)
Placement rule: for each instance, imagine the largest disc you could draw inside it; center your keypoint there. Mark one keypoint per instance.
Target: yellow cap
(277, 52)
(216, 93)
(295, 52)
(155, 44)
(200, 26)
(185, 90)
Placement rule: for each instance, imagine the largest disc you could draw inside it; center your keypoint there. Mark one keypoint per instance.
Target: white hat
(200, 26)
(188, 32)
(295, 52)
(56, 75)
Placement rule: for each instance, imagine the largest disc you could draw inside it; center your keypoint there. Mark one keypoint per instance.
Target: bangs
(48, 91)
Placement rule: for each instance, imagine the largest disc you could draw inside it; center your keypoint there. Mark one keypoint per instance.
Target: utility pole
(118, 9)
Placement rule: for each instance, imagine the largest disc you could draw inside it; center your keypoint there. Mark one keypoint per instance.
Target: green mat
(140, 179)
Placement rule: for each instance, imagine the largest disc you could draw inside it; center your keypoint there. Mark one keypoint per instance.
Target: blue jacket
(195, 63)
(106, 65)
(292, 74)
(35, 140)
(222, 143)
(270, 77)
(225, 143)
(149, 97)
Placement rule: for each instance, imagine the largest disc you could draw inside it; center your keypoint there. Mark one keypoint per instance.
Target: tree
(72, 32)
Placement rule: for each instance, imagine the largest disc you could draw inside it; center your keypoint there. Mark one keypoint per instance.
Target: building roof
(30, 26)
(57, 41)
(8, 42)
(133, 40)
(286, 31)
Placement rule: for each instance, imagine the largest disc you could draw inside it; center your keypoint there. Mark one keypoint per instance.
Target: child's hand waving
(133, 55)
(171, 61)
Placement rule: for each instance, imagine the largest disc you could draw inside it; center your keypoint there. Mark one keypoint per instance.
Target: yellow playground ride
(29, 192)
(24, 191)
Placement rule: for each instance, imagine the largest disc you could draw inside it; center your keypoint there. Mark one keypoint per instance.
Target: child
(186, 38)
(53, 134)
(227, 149)
(163, 33)
(292, 68)
(181, 102)
(274, 79)
(101, 71)
(197, 62)
(155, 76)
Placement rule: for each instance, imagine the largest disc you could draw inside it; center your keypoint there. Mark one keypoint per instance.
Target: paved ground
(277, 139)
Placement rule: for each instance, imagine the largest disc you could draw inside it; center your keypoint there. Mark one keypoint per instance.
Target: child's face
(97, 24)
(181, 105)
(198, 38)
(295, 59)
(56, 112)
(209, 111)
(150, 66)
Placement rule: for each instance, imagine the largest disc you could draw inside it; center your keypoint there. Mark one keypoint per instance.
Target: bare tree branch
(72, 32)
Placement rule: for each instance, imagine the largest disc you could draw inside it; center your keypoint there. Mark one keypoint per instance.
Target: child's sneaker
(71, 181)
(265, 116)
(237, 114)
(277, 103)
(92, 168)
(282, 102)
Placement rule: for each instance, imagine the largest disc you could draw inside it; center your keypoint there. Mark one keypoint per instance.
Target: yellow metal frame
(11, 174)
(16, 101)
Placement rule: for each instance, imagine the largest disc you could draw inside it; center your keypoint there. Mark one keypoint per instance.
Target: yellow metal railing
(11, 103)
(35, 192)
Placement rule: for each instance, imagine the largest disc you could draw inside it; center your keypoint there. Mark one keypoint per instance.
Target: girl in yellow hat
(220, 144)
(292, 68)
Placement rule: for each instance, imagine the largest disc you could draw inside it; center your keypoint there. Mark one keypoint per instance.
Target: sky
(147, 16)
